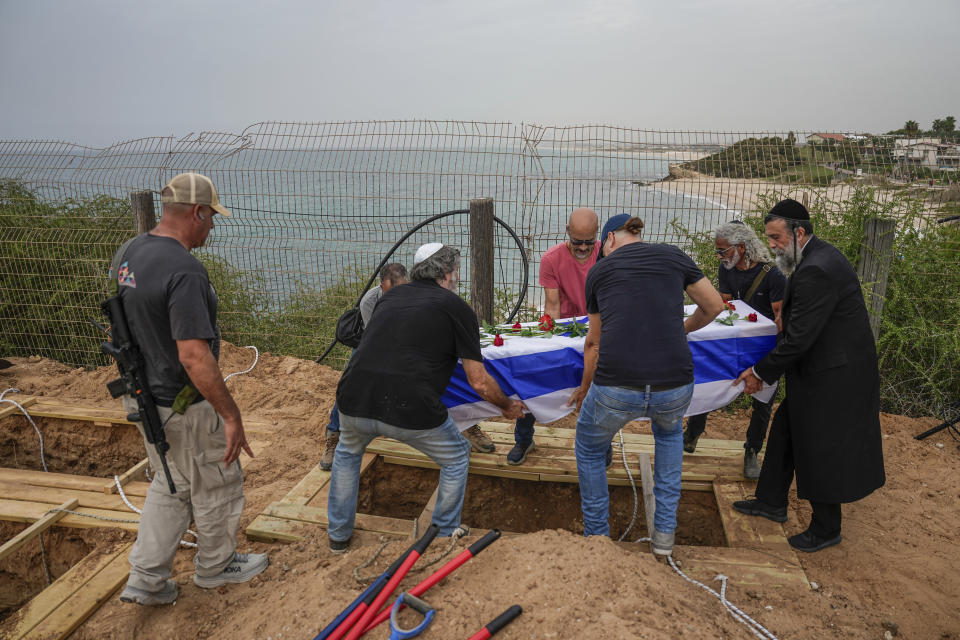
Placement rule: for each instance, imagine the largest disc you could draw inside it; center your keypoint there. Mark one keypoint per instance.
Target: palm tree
(911, 127)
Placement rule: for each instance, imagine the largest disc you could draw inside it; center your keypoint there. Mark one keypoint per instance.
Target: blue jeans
(444, 445)
(334, 424)
(605, 411)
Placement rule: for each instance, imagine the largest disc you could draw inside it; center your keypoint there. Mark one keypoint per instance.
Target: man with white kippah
(394, 382)
(171, 309)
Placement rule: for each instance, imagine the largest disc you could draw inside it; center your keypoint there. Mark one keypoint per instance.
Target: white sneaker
(167, 595)
(242, 568)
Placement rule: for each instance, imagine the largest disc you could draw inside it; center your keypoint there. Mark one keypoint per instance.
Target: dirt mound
(897, 567)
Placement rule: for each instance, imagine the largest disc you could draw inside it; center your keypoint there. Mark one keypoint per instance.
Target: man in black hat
(830, 440)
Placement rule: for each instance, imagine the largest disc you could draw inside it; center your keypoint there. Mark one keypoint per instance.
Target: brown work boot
(326, 460)
(478, 440)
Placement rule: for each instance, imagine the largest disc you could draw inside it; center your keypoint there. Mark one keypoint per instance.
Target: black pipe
(434, 218)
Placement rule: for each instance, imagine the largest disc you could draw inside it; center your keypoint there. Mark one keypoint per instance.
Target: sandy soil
(897, 570)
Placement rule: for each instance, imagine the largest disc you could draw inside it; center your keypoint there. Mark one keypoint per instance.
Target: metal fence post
(143, 212)
(873, 267)
(481, 258)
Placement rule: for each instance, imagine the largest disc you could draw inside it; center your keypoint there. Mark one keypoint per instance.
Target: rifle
(133, 378)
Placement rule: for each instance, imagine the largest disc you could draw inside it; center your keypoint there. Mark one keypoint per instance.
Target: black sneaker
(339, 546)
(519, 453)
(755, 507)
(810, 542)
(609, 456)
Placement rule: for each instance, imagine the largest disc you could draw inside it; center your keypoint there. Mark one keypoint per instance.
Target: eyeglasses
(580, 243)
(722, 252)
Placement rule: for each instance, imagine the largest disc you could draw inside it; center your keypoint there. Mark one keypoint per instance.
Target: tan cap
(193, 188)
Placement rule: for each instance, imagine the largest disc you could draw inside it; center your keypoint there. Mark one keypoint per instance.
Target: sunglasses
(721, 252)
(580, 243)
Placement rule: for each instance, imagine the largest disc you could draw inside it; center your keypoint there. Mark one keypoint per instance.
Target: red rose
(752, 317)
(517, 327)
(731, 306)
(546, 322)
(497, 341)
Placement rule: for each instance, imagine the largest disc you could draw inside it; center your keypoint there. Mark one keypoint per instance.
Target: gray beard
(784, 258)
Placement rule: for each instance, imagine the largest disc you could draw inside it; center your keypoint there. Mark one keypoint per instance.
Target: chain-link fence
(316, 206)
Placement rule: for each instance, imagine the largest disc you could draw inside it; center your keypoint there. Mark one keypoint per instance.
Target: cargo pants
(208, 492)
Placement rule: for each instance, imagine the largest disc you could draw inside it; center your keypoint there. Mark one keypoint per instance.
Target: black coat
(829, 358)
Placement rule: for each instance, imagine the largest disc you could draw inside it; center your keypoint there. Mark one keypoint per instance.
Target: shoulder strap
(756, 282)
(115, 265)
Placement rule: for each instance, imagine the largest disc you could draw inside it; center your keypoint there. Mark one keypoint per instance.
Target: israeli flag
(544, 371)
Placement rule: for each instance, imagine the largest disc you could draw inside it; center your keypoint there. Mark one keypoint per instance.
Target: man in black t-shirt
(636, 364)
(746, 271)
(394, 382)
(171, 309)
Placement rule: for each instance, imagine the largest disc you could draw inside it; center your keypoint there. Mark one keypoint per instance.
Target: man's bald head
(583, 226)
(584, 223)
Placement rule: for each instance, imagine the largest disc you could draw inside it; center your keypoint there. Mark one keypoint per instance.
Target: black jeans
(756, 432)
(523, 430)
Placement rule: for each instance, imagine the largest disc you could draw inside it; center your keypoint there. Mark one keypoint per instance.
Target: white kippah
(426, 250)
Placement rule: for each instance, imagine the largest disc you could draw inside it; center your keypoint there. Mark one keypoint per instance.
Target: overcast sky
(96, 72)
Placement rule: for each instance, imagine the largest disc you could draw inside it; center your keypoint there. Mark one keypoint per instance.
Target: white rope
(91, 515)
(623, 453)
(123, 496)
(755, 627)
(256, 357)
(43, 462)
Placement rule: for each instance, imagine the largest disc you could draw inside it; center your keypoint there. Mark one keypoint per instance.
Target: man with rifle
(172, 384)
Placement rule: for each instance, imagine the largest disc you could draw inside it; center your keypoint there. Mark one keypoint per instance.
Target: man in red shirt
(563, 273)
(564, 267)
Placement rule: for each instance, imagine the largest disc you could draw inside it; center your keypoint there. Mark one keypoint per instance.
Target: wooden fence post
(143, 212)
(481, 258)
(873, 267)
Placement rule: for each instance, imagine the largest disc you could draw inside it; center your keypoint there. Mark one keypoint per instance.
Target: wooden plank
(426, 463)
(630, 438)
(309, 485)
(646, 485)
(315, 515)
(270, 529)
(740, 529)
(744, 567)
(35, 529)
(52, 407)
(65, 619)
(54, 496)
(426, 516)
(44, 603)
(7, 409)
(24, 511)
(44, 479)
(126, 476)
(320, 499)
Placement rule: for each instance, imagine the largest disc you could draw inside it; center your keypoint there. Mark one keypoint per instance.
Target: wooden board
(53, 407)
(24, 511)
(7, 409)
(315, 515)
(67, 481)
(744, 567)
(320, 498)
(65, 619)
(126, 476)
(269, 529)
(47, 602)
(537, 465)
(740, 529)
(35, 529)
(53, 497)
